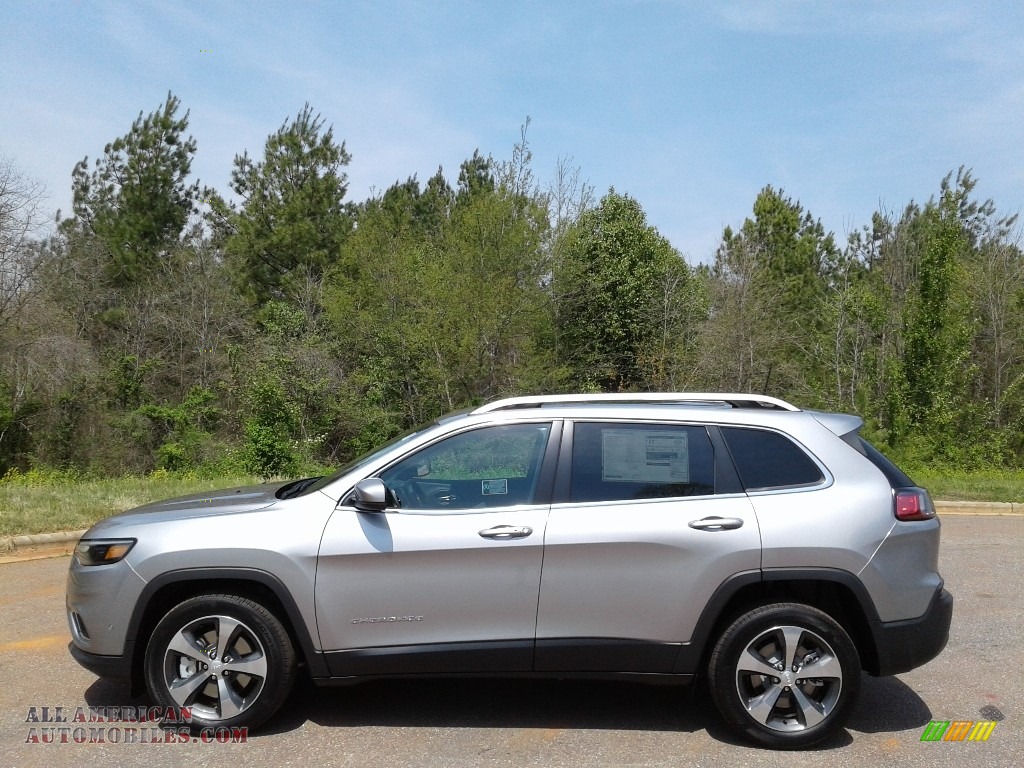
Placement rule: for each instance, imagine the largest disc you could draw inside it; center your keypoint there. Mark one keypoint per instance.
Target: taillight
(913, 504)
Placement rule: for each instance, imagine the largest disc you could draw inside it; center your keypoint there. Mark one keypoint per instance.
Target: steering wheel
(409, 490)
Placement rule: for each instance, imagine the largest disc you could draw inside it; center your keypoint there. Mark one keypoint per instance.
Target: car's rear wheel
(785, 675)
(225, 658)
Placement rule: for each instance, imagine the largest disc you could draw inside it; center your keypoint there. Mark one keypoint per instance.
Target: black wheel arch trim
(835, 575)
(693, 654)
(313, 658)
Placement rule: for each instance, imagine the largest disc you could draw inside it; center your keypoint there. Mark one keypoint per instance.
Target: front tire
(224, 657)
(785, 675)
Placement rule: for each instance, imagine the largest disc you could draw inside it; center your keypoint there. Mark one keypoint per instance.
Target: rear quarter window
(897, 477)
(767, 460)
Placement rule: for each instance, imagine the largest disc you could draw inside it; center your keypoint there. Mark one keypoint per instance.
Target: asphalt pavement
(426, 723)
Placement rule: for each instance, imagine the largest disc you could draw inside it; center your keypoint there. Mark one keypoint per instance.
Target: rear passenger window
(767, 460)
(621, 462)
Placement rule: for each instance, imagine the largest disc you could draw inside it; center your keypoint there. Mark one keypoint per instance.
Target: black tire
(245, 682)
(790, 708)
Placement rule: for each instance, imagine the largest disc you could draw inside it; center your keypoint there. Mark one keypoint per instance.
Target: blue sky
(690, 107)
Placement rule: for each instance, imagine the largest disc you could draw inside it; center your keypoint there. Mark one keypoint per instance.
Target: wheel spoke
(184, 691)
(751, 661)
(790, 642)
(227, 629)
(760, 707)
(826, 666)
(186, 646)
(812, 711)
(230, 702)
(253, 664)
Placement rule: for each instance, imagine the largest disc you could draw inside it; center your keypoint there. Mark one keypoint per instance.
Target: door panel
(626, 578)
(637, 571)
(457, 561)
(403, 578)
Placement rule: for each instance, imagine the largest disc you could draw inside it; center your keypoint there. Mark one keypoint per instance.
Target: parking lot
(980, 676)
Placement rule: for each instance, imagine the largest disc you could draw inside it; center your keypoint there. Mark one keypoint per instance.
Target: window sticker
(493, 487)
(645, 456)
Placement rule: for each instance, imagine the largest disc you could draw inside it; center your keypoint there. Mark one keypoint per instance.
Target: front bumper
(99, 601)
(115, 667)
(906, 645)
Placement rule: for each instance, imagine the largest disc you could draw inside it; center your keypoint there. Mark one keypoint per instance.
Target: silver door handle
(506, 532)
(716, 523)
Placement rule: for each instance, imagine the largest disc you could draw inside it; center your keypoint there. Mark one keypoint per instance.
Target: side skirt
(623, 677)
(569, 657)
(436, 658)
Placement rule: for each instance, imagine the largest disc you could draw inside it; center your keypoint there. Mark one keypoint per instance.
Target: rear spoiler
(841, 424)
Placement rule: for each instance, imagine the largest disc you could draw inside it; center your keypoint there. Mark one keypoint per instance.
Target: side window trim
(563, 482)
(549, 464)
(727, 478)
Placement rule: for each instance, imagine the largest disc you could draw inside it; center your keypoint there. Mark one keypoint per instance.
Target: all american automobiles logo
(958, 730)
(123, 725)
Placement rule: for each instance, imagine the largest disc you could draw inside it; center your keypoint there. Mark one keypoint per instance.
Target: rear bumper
(905, 645)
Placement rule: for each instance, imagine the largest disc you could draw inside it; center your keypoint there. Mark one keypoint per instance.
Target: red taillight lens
(914, 504)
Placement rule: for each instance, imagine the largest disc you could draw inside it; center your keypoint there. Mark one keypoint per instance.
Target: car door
(644, 527)
(447, 578)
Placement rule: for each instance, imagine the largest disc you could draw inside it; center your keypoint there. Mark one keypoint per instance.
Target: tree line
(165, 325)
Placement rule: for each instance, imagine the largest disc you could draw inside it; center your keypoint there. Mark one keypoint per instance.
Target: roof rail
(736, 400)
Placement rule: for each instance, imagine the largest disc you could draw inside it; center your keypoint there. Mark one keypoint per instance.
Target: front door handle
(506, 532)
(716, 523)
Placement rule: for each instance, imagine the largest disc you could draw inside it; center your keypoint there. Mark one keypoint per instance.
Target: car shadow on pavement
(886, 705)
(107, 692)
(494, 703)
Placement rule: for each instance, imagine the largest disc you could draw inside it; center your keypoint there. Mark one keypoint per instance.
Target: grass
(984, 485)
(40, 505)
(44, 503)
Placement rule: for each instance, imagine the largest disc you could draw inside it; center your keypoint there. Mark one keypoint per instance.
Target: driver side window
(489, 467)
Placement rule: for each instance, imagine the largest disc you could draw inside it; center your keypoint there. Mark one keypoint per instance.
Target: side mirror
(370, 495)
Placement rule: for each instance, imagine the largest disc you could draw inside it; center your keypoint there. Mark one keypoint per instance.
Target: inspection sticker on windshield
(493, 487)
(645, 456)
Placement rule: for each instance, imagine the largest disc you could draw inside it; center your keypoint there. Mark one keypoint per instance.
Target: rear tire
(785, 675)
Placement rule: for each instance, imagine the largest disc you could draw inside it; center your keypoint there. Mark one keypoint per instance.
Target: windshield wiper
(296, 488)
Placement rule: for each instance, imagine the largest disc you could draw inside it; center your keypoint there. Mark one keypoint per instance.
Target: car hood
(225, 502)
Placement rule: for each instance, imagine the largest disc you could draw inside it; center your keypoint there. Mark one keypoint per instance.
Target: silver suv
(653, 537)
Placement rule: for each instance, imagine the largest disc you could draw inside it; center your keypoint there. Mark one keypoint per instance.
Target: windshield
(366, 458)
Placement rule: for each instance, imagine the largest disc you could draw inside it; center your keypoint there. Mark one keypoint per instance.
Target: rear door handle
(716, 523)
(507, 532)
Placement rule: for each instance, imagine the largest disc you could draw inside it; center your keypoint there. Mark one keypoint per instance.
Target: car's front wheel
(225, 658)
(785, 675)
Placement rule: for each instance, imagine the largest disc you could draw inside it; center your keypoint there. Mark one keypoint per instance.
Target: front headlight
(102, 551)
